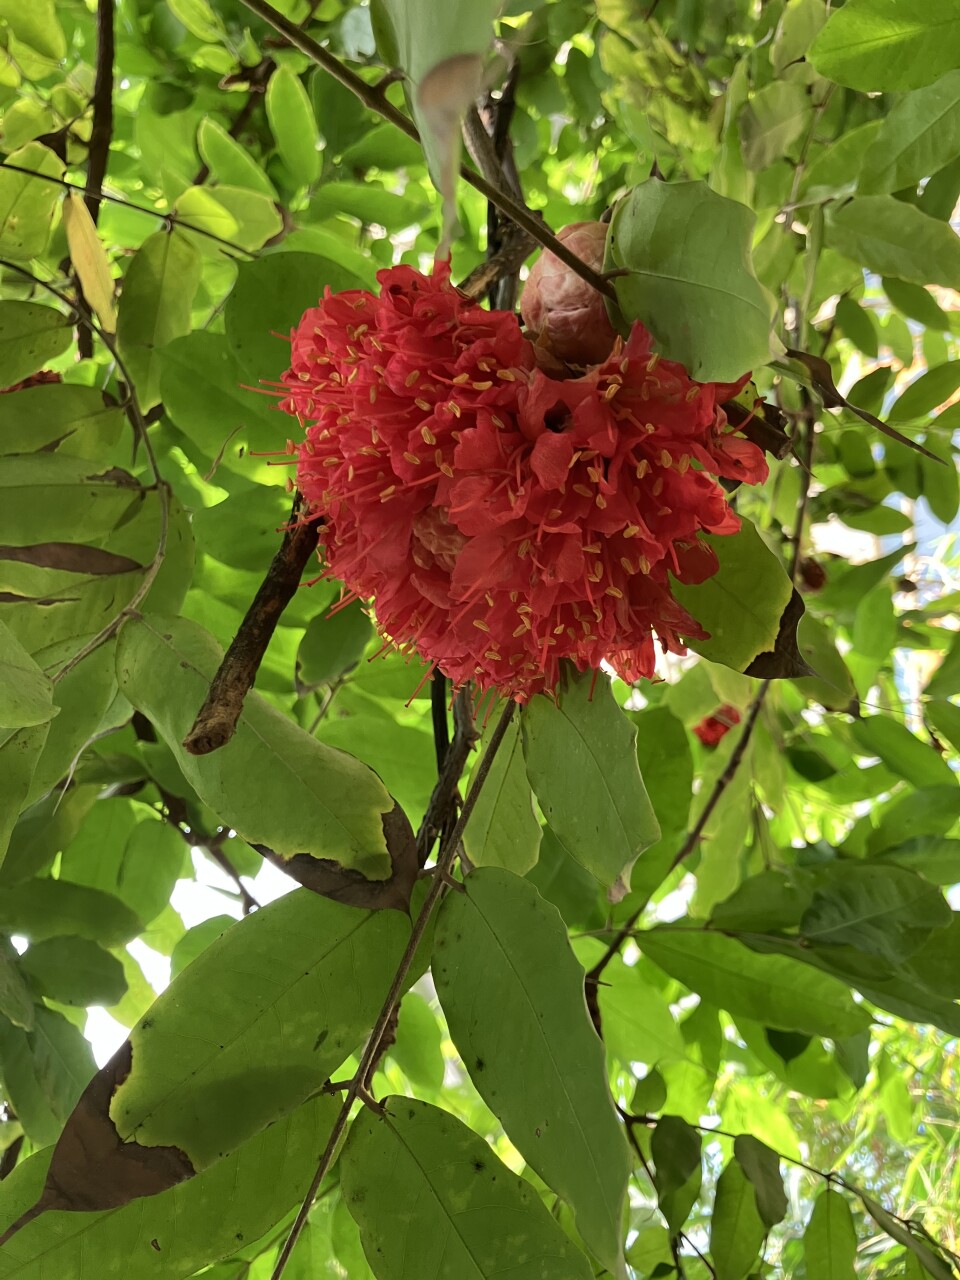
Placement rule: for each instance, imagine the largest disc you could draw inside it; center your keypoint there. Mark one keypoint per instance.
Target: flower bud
(563, 313)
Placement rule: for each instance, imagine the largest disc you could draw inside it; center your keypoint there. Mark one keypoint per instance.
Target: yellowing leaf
(90, 261)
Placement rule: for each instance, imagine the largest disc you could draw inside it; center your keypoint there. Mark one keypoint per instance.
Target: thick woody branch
(216, 720)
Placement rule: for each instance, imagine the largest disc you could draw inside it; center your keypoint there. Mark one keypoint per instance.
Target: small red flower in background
(503, 520)
(712, 728)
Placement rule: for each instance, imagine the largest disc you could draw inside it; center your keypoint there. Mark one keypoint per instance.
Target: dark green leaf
(27, 207)
(42, 909)
(762, 1166)
(676, 1150)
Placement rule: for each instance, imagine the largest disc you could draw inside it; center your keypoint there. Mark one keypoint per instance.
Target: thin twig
(216, 720)
(372, 1048)
(374, 100)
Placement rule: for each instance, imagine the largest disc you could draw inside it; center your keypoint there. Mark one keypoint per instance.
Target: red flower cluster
(712, 728)
(500, 519)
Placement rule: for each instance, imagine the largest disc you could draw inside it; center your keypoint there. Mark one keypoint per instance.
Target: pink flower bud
(563, 313)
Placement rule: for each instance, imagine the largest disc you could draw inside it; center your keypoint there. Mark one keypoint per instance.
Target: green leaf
(927, 392)
(73, 418)
(933, 1263)
(830, 1239)
(19, 756)
(322, 802)
(529, 991)
(75, 971)
(203, 391)
(465, 1214)
(30, 335)
(16, 1002)
(37, 25)
(503, 830)
(881, 910)
(774, 990)
(581, 758)
(691, 281)
(228, 161)
(895, 239)
(83, 698)
(888, 45)
(676, 1148)
(172, 1235)
(762, 1166)
(919, 136)
(268, 299)
(196, 940)
(743, 605)
(917, 762)
(736, 1229)
(250, 1030)
(832, 684)
(638, 1025)
(124, 848)
(856, 325)
(418, 1048)
(26, 694)
(941, 484)
(158, 291)
(294, 126)
(44, 908)
(333, 644)
(441, 49)
(199, 18)
(27, 204)
(247, 219)
(773, 119)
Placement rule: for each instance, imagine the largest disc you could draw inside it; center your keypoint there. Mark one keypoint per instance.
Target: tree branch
(442, 806)
(216, 720)
(374, 100)
(372, 1048)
